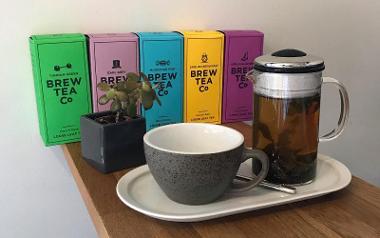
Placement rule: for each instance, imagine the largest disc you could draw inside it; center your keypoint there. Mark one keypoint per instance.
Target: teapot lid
(289, 61)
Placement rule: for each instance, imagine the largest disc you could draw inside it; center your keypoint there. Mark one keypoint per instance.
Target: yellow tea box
(203, 72)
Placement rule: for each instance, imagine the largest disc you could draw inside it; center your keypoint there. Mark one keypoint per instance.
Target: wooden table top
(351, 212)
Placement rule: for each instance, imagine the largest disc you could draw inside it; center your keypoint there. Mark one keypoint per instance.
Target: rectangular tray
(139, 191)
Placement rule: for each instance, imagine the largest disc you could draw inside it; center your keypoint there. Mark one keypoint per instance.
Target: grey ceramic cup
(196, 163)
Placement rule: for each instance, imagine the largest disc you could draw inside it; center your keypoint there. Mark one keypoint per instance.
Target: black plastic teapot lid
(289, 61)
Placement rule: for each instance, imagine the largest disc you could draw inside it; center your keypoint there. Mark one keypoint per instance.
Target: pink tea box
(112, 56)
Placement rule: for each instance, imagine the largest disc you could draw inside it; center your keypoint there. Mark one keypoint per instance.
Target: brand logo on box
(245, 56)
(116, 64)
(162, 62)
(204, 58)
(58, 67)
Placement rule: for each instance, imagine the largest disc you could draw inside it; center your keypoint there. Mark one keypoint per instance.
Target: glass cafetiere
(287, 93)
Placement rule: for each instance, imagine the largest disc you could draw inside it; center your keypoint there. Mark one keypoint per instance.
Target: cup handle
(344, 110)
(264, 160)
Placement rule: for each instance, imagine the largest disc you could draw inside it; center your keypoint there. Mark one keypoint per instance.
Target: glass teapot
(287, 92)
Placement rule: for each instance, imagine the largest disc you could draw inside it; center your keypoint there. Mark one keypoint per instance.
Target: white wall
(38, 195)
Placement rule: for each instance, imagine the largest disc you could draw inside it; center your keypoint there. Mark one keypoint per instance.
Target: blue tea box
(161, 59)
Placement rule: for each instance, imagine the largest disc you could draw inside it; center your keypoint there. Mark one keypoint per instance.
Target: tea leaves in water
(287, 131)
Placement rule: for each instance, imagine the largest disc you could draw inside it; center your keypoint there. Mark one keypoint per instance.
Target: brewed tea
(286, 129)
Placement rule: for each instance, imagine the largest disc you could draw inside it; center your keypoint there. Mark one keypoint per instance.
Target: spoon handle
(278, 187)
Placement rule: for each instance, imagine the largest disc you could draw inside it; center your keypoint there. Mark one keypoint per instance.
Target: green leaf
(147, 103)
(157, 98)
(115, 105)
(124, 106)
(111, 93)
(133, 77)
(146, 87)
(145, 79)
(103, 100)
(103, 87)
(122, 96)
(132, 109)
(148, 99)
(127, 86)
(131, 85)
(120, 85)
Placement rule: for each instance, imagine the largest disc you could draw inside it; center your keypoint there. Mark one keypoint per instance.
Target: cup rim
(239, 142)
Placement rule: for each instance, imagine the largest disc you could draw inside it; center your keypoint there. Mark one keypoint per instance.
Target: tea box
(241, 48)
(161, 60)
(62, 85)
(203, 71)
(112, 56)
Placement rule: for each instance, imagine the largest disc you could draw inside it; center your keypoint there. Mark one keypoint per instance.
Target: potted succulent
(113, 140)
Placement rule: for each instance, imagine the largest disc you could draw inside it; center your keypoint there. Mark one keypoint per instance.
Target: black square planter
(112, 147)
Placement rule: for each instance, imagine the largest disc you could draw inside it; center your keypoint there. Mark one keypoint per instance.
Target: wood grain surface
(351, 212)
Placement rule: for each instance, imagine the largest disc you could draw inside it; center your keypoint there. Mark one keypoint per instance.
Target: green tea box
(62, 86)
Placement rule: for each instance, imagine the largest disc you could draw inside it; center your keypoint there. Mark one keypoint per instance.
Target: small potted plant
(113, 140)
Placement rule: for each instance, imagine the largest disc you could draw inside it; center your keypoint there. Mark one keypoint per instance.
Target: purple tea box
(241, 48)
(112, 56)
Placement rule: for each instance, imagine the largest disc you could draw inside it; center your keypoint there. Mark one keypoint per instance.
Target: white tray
(139, 191)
